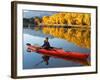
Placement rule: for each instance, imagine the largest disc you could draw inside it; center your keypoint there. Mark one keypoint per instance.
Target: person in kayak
(46, 44)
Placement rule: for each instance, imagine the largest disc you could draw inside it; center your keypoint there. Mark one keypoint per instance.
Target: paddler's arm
(44, 45)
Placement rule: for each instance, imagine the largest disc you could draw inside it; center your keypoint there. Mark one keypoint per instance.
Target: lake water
(33, 60)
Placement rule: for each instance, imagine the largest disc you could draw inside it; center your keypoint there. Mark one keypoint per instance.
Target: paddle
(38, 47)
(38, 63)
(28, 44)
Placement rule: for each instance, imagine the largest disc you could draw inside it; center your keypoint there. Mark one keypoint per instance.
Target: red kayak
(58, 53)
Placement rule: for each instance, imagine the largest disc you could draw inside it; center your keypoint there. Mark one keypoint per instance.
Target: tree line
(68, 18)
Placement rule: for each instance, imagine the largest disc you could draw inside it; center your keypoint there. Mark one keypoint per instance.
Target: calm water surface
(33, 60)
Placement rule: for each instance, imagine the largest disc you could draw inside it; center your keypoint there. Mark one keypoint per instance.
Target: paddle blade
(28, 50)
(28, 44)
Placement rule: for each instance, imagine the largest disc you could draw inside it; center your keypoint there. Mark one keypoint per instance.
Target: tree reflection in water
(80, 37)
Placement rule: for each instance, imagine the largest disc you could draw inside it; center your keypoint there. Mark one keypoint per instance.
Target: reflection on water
(80, 37)
(32, 60)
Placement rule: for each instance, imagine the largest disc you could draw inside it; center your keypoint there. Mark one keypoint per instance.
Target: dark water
(33, 60)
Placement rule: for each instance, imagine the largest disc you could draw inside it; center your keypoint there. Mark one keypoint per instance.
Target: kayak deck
(58, 53)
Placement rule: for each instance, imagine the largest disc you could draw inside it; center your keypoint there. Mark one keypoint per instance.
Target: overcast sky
(32, 13)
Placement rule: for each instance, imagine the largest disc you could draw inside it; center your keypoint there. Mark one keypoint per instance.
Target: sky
(32, 13)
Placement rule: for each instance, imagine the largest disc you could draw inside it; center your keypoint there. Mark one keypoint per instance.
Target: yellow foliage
(77, 36)
(69, 18)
